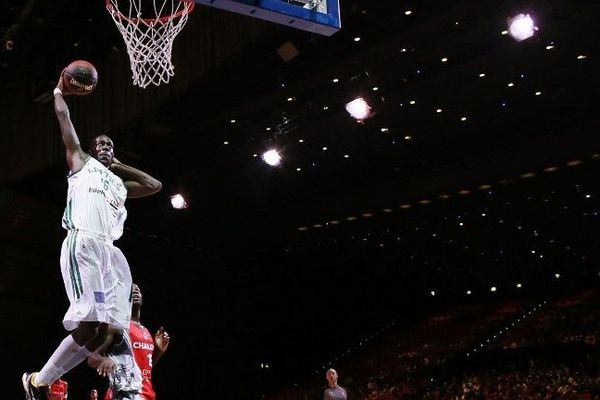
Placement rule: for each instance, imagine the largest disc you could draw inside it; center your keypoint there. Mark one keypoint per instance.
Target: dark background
(288, 267)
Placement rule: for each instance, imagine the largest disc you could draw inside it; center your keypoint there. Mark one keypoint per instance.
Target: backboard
(318, 16)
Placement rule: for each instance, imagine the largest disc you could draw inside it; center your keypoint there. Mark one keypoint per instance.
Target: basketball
(80, 78)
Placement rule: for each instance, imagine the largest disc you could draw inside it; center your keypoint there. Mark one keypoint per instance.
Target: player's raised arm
(76, 157)
(138, 183)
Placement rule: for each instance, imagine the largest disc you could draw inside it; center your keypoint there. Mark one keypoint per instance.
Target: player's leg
(81, 266)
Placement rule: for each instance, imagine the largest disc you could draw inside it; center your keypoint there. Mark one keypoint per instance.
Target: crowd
(549, 354)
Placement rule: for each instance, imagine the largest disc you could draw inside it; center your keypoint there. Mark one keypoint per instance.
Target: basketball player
(147, 350)
(58, 390)
(334, 391)
(95, 272)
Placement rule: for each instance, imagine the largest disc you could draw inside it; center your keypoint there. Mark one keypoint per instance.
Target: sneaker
(32, 392)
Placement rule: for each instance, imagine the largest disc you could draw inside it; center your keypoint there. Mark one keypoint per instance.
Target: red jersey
(143, 347)
(58, 390)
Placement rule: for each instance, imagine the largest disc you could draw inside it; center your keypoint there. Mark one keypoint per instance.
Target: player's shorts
(97, 281)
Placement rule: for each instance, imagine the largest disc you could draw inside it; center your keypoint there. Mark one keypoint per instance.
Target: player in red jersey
(58, 390)
(147, 349)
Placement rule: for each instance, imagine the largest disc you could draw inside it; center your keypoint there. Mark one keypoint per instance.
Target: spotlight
(521, 27)
(178, 202)
(359, 109)
(272, 157)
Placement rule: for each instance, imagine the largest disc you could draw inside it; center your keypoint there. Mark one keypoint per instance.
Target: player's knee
(85, 332)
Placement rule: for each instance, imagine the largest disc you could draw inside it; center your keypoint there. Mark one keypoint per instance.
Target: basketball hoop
(149, 34)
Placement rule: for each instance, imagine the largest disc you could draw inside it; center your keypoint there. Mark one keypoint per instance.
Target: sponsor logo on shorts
(99, 297)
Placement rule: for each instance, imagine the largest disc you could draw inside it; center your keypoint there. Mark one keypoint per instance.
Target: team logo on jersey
(99, 297)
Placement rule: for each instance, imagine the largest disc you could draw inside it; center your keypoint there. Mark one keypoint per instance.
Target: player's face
(331, 376)
(103, 150)
(136, 297)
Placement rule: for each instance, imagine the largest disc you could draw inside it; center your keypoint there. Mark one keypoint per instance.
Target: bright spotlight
(359, 109)
(272, 158)
(521, 27)
(178, 202)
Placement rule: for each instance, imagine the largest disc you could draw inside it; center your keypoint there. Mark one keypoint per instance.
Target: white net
(149, 28)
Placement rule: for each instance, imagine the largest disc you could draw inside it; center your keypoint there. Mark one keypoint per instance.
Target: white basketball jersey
(96, 201)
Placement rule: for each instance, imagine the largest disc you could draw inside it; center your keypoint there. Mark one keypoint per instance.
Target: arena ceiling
(481, 150)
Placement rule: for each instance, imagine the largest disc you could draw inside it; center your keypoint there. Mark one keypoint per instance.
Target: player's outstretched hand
(161, 340)
(61, 85)
(106, 367)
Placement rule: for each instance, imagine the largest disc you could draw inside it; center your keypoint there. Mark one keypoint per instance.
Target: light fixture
(493, 289)
(272, 157)
(232, 121)
(538, 93)
(581, 57)
(178, 202)
(439, 110)
(432, 293)
(519, 286)
(359, 109)
(468, 292)
(444, 59)
(521, 27)
(357, 39)
(335, 80)
(384, 130)
(482, 75)
(511, 84)
(463, 119)
(407, 12)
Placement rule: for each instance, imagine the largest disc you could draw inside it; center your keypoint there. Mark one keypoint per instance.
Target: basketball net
(149, 35)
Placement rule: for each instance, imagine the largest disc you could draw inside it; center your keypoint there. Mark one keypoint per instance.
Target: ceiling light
(444, 59)
(549, 47)
(439, 110)
(346, 156)
(463, 119)
(271, 157)
(298, 169)
(432, 293)
(412, 102)
(290, 99)
(335, 80)
(225, 143)
(359, 109)
(325, 108)
(557, 276)
(300, 140)
(232, 121)
(504, 33)
(324, 148)
(581, 57)
(468, 292)
(538, 93)
(267, 129)
(511, 84)
(521, 27)
(385, 130)
(407, 137)
(375, 88)
(482, 75)
(493, 289)
(178, 202)
(357, 39)
(407, 12)
(519, 286)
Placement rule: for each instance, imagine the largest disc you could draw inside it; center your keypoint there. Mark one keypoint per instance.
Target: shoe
(32, 392)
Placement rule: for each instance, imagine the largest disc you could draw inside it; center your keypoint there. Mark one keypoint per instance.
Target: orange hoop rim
(185, 10)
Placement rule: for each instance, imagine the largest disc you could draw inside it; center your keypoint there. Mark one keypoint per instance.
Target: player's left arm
(161, 343)
(138, 183)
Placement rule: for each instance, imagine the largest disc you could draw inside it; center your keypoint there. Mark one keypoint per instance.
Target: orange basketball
(80, 78)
